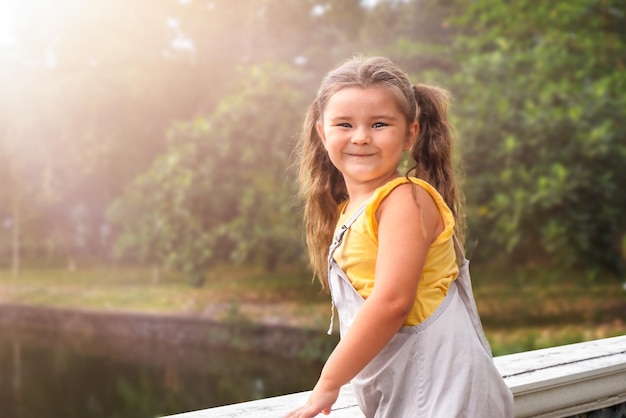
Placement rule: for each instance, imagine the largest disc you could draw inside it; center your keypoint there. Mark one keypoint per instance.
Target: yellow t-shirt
(357, 254)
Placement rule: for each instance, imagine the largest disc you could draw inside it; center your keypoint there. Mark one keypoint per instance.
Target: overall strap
(347, 224)
(336, 243)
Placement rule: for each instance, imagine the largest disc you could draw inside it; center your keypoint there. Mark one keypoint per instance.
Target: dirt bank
(171, 330)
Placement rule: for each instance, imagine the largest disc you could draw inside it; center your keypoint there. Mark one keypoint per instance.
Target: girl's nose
(361, 137)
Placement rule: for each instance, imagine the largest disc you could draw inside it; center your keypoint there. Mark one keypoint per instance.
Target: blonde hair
(322, 186)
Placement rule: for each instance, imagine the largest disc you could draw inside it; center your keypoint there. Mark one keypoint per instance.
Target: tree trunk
(17, 366)
(15, 237)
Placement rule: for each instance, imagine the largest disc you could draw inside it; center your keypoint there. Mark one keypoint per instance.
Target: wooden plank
(566, 380)
(529, 361)
(345, 407)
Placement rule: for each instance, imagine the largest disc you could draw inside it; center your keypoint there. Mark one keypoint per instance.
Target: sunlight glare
(7, 29)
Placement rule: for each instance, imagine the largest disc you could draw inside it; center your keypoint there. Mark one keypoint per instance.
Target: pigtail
(432, 152)
(321, 186)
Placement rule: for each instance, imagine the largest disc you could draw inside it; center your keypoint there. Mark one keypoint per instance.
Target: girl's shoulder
(419, 191)
(385, 190)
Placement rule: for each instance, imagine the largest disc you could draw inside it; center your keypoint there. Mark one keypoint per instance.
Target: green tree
(223, 190)
(541, 105)
(416, 35)
(88, 91)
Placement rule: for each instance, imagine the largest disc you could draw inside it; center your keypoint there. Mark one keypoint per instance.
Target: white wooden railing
(553, 382)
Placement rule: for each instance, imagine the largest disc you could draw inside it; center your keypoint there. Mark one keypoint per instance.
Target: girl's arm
(405, 232)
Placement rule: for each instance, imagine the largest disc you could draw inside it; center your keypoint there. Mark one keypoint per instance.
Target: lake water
(64, 376)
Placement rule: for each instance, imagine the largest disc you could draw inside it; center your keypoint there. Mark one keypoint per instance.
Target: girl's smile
(365, 133)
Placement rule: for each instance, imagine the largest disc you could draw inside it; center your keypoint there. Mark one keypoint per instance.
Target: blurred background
(146, 165)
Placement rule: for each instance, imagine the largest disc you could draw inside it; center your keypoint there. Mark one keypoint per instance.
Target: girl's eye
(344, 125)
(379, 125)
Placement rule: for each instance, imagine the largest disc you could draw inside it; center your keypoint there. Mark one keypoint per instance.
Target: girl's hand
(320, 401)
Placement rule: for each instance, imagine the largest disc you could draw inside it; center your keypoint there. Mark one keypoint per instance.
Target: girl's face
(365, 133)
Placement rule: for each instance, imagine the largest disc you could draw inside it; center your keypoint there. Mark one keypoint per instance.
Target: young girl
(411, 340)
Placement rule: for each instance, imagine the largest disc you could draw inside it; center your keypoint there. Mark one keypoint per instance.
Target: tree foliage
(223, 190)
(143, 105)
(541, 109)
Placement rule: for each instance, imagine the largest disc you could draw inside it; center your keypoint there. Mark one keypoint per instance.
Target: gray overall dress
(441, 367)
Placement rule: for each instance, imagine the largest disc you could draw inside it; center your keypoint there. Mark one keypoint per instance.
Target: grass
(519, 313)
(229, 292)
(532, 309)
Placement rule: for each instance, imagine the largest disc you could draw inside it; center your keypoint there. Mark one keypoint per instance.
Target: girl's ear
(319, 127)
(411, 138)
